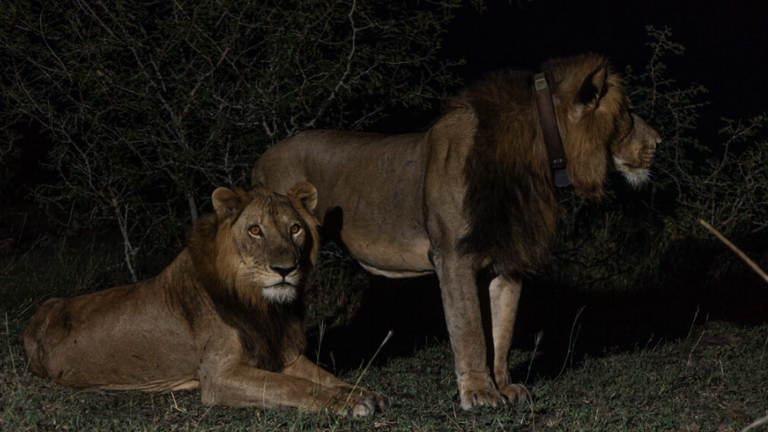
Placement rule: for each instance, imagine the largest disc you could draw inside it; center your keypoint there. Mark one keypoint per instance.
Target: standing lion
(225, 316)
(474, 192)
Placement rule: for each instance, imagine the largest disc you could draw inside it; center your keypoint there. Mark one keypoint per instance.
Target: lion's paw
(515, 392)
(360, 402)
(477, 388)
(382, 400)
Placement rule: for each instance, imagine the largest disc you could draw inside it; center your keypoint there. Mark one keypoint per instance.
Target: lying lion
(224, 315)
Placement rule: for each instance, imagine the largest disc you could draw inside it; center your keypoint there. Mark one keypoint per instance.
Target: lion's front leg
(302, 367)
(505, 296)
(458, 288)
(240, 385)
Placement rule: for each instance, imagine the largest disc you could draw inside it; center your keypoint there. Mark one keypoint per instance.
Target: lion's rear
(34, 336)
(111, 337)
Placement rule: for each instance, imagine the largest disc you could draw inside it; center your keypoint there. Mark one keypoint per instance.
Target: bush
(151, 105)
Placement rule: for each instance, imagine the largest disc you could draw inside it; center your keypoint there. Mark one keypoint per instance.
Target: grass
(715, 378)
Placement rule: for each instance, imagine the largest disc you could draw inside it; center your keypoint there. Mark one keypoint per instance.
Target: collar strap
(548, 122)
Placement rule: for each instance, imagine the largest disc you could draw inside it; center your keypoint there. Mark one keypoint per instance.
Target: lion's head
(259, 242)
(599, 128)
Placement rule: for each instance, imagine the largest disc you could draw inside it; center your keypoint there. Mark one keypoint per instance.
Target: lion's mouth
(281, 284)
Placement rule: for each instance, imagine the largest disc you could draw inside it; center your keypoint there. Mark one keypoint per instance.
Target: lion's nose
(283, 271)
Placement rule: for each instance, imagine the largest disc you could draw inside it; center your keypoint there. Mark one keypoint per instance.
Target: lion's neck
(510, 198)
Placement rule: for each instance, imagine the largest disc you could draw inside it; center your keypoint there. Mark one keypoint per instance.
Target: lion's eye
(295, 229)
(254, 230)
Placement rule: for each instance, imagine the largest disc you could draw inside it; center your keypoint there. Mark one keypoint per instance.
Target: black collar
(548, 122)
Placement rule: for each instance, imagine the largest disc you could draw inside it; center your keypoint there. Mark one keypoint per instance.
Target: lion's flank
(510, 196)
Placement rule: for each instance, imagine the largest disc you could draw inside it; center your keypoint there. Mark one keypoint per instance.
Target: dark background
(725, 45)
(725, 50)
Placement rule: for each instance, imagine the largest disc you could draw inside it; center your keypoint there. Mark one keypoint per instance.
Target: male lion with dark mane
(475, 192)
(225, 315)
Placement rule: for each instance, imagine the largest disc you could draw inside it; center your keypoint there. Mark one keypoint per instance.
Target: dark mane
(510, 197)
(266, 330)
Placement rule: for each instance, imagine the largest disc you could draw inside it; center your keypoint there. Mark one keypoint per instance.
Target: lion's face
(633, 151)
(603, 132)
(271, 238)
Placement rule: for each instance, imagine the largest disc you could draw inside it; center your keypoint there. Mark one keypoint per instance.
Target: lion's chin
(280, 293)
(637, 178)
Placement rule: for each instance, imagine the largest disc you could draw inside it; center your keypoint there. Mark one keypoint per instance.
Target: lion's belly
(390, 256)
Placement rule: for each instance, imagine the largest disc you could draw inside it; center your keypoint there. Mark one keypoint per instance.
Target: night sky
(725, 42)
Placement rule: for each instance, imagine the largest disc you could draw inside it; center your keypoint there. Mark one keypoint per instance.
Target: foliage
(729, 189)
(151, 105)
(335, 290)
(621, 241)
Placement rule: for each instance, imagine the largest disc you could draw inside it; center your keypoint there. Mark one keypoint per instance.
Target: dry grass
(711, 379)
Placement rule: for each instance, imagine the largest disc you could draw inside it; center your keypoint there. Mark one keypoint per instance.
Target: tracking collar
(548, 122)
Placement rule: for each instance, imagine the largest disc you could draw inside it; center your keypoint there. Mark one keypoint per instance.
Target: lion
(473, 193)
(225, 315)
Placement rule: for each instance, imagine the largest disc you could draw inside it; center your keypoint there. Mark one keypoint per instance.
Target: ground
(699, 375)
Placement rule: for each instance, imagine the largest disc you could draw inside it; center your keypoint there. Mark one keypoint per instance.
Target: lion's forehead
(277, 213)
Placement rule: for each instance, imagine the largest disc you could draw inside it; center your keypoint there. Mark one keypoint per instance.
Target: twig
(733, 247)
(175, 405)
(537, 340)
(690, 354)
(10, 350)
(571, 342)
(757, 423)
(197, 423)
(357, 383)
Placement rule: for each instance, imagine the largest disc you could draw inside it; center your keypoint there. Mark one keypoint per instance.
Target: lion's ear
(593, 88)
(305, 194)
(225, 202)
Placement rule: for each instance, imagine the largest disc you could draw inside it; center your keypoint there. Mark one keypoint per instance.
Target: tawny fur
(206, 319)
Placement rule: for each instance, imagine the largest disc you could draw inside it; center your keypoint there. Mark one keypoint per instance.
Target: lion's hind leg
(37, 340)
